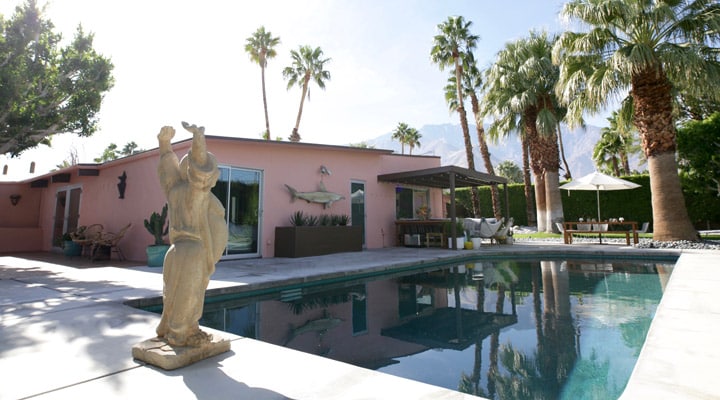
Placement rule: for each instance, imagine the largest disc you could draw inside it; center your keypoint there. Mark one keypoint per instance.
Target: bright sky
(178, 60)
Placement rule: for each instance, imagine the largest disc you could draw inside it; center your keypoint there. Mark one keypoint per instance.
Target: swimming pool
(542, 329)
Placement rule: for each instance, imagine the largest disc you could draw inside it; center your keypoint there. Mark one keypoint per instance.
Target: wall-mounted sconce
(15, 199)
(121, 185)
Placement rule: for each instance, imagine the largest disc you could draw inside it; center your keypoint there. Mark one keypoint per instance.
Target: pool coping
(105, 290)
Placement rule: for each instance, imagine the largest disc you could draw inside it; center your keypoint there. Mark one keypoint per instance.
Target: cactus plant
(157, 225)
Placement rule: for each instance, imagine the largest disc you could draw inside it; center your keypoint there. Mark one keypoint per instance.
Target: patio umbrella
(597, 181)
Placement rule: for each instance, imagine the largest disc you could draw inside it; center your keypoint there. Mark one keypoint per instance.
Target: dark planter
(71, 249)
(156, 254)
(306, 241)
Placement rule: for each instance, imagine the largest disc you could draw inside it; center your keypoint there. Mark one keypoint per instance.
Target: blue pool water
(506, 329)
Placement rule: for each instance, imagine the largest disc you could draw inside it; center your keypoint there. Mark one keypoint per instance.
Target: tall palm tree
(449, 46)
(649, 48)
(401, 134)
(473, 82)
(261, 47)
(519, 92)
(307, 64)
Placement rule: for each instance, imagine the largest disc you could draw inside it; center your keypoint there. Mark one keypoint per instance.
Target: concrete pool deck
(65, 331)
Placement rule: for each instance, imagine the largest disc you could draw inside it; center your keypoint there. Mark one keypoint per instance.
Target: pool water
(506, 329)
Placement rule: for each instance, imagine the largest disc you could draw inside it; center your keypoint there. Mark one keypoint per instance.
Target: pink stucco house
(254, 173)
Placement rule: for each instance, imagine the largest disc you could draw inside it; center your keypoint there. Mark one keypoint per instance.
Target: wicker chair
(85, 236)
(111, 240)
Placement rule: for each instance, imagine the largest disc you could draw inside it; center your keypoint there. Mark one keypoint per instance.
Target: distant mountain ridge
(446, 141)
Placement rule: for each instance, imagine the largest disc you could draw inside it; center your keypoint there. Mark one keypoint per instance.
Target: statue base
(158, 352)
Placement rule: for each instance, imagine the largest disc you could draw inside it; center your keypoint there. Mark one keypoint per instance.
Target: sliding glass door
(67, 213)
(239, 190)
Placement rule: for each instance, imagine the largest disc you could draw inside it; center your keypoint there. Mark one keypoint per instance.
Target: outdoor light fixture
(15, 199)
(121, 185)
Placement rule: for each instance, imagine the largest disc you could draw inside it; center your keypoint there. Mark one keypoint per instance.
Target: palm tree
(472, 82)
(307, 64)
(401, 134)
(449, 46)
(651, 49)
(611, 152)
(261, 47)
(519, 92)
(413, 139)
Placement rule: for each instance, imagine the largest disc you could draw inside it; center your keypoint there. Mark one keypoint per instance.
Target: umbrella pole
(597, 190)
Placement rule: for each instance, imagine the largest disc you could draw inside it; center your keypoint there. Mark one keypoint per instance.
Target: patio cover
(448, 177)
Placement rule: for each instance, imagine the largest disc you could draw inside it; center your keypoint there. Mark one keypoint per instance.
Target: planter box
(306, 241)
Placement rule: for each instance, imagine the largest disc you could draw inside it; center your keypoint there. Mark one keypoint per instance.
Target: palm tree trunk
(551, 166)
(527, 183)
(553, 200)
(567, 175)
(670, 219)
(267, 119)
(625, 162)
(466, 134)
(295, 136)
(485, 153)
(540, 202)
(653, 117)
(470, 158)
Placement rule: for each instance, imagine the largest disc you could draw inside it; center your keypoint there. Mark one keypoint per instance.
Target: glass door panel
(239, 192)
(357, 211)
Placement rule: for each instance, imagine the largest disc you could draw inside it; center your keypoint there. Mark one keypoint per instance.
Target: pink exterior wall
(295, 164)
(20, 228)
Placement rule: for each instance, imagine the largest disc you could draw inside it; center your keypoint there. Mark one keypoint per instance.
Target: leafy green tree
(308, 64)
(413, 139)
(509, 170)
(261, 47)
(448, 50)
(112, 153)
(520, 94)
(699, 154)
(649, 49)
(46, 89)
(694, 108)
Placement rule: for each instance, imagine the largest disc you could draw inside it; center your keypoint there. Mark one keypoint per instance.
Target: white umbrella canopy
(598, 181)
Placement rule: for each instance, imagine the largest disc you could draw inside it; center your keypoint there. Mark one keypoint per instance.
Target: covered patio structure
(448, 177)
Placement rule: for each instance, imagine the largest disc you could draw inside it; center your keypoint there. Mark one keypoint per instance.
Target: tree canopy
(699, 154)
(45, 88)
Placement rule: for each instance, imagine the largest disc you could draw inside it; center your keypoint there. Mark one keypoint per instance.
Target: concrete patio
(66, 332)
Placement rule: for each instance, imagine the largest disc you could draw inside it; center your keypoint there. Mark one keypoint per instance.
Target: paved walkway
(65, 331)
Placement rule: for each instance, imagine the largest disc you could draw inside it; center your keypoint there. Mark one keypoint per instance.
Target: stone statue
(198, 236)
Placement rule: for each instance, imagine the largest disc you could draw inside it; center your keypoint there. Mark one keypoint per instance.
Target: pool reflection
(506, 329)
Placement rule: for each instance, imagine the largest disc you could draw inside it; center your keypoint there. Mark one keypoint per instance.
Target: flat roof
(449, 176)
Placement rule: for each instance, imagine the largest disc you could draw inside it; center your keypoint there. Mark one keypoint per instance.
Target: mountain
(446, 141)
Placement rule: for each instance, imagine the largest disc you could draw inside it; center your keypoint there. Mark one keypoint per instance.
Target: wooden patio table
(626, 227)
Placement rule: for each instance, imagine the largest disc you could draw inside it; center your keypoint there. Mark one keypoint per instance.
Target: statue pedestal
(158, 352)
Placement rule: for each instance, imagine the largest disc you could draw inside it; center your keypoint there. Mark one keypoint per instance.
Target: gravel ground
(644, 243)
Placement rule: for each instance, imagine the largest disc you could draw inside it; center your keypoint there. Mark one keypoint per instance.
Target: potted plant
(459, 231)
(70, 248)
(158, 228)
